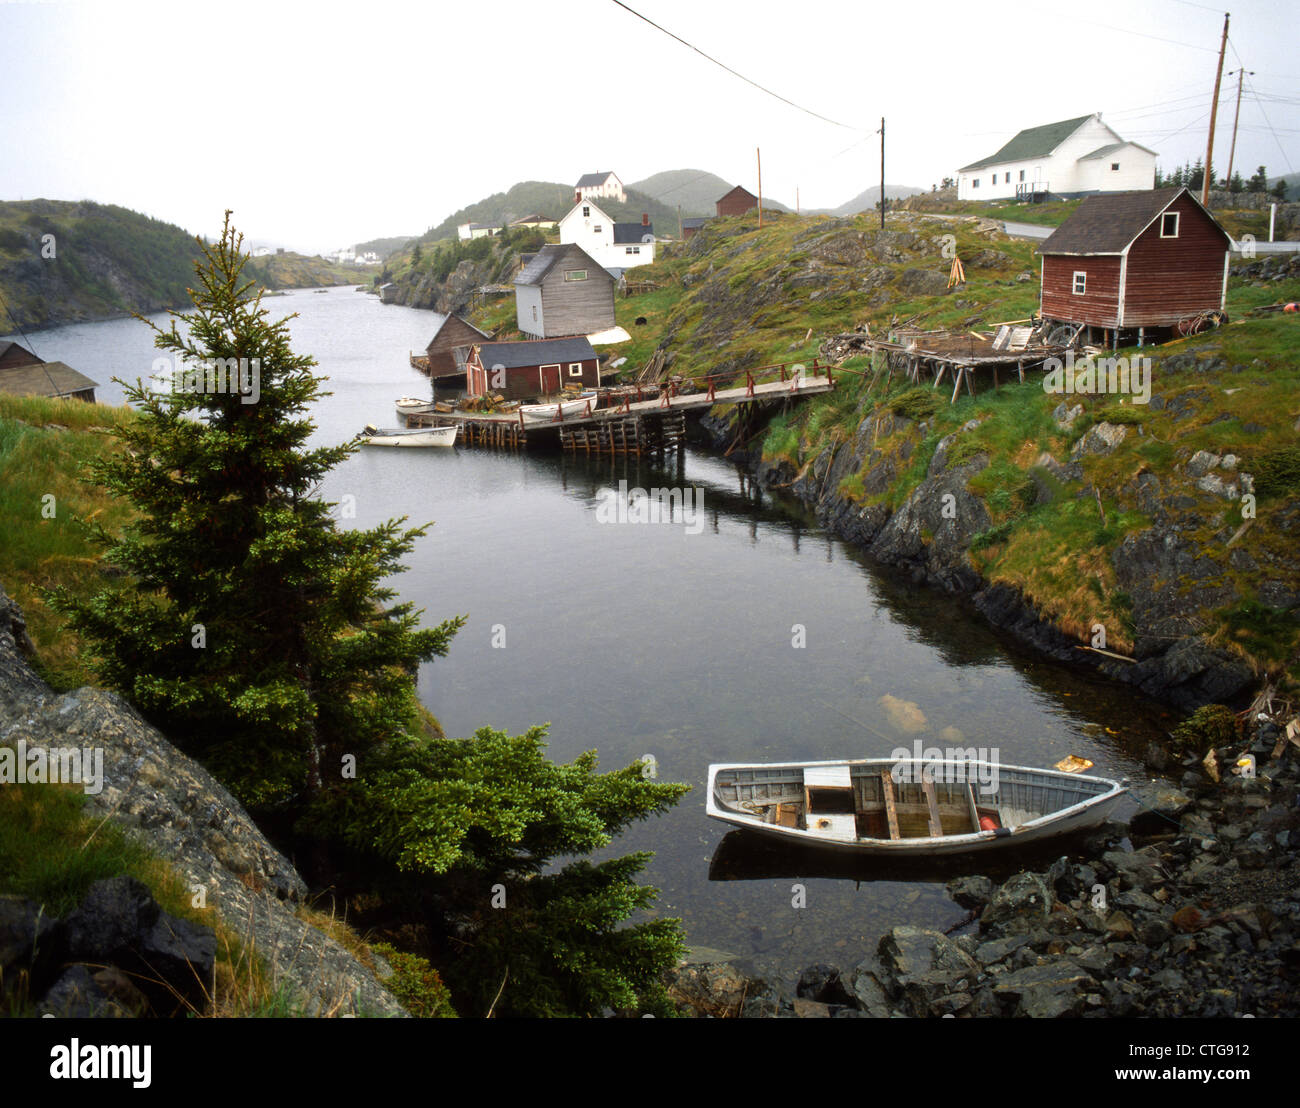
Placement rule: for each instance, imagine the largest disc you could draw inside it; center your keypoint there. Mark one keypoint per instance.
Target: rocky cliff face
(178, 810)
(929, 536)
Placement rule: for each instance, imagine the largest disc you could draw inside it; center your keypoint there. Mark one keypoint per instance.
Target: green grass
(44, 501)
(51, 852)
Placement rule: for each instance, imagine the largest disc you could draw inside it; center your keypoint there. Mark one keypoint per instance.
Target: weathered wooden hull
(1029, 804)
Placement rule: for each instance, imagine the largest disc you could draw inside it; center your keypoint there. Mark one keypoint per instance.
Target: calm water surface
(638, 639)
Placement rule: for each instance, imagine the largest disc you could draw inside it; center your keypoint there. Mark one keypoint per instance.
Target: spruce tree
(245, 622)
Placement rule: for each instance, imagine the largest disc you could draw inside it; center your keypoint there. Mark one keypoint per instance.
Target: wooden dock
(655, 425)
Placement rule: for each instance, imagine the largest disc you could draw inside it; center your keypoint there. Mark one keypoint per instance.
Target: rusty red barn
(1135, 261)
(737, 202)
(527, 370)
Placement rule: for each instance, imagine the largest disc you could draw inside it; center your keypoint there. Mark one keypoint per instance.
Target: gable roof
(592, 180)
(7, 345)
(587, 202)
(515, 355)
(633, 232)
(453, 317)
(739, 189)
(549, 256)
(1033, 142)
(45, 379)
(1108, 222)
(1102, 151)
(695, 221)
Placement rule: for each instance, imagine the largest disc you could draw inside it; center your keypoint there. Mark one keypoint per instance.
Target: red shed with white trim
(1135, 260)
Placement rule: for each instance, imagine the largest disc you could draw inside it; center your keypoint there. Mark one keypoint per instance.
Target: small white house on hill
(613, 245)
(1070, 158)
(599, 186)
(465, 231)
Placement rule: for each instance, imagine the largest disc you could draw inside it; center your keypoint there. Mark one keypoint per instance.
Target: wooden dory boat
(417, 436)
(546, 413)
(908, 806)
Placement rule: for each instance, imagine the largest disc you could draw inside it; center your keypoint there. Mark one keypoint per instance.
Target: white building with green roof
(1074, 157)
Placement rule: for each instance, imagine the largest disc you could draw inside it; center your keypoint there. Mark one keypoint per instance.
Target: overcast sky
(324, 124)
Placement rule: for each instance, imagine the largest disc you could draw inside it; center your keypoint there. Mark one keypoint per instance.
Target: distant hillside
(526, 198)
(384, 247)
(867, 199)
(298, 271)
(106, 261)
(1292, 184)
(552, 200)
(696, 190)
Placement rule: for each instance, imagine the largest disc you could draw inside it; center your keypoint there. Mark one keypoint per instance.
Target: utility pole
(1214, 111)
(680, 236)
(882, 172)
(759, 154)
(796, 200)
(1232, 150)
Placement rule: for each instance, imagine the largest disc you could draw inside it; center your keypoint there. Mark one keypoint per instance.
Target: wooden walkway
(654, 425)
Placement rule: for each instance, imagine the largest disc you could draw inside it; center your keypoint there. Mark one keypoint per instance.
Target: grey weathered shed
(563, 291)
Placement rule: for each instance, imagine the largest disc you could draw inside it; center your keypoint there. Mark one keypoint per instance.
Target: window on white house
(1114, 166)
(1169, 225)
(534, 313)
(586, 211)
(1080, 282)
(575, 369)
(1022, 174)
(627, 250)
(975, 183)
(636, 250)
(575, 275)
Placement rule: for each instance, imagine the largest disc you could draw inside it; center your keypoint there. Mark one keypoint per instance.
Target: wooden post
(882, 172)
(759, 153)
(1214, 111)
(1232, 150)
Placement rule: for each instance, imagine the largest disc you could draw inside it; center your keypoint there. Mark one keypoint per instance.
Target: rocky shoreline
(928, 541)
(1190, 910)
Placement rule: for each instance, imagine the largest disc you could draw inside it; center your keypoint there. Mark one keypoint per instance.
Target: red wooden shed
(529, 370)
(737, 202)
(1135, 261)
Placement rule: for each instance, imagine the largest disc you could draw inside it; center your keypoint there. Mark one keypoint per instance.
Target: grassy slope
(734, 300)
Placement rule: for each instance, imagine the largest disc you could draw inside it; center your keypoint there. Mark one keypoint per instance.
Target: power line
(723, 65)
(1269, 123)
(31, 349)
(1141, 34)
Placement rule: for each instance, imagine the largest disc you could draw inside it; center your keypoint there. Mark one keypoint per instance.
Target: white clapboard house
(613, 245)
(1071, 158)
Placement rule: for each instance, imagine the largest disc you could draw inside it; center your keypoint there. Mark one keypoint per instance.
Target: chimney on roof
(645, 219)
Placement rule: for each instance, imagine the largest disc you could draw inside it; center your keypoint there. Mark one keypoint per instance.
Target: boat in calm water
(908, 806)
(419, 436)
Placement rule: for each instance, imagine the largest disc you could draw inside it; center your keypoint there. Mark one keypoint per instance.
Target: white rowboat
(900, 807)
(418, 436)
(545, 413)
